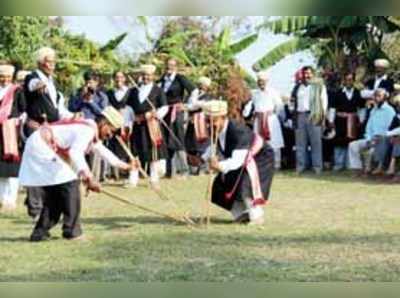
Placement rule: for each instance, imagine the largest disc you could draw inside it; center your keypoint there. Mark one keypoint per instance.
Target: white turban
(262, 75)
(381, 90)
(7, 70)
(215, 108)
(384, 63)
(44, 53)
(396, 99)
(21, 75)
(148, 68)
(205, 81)
(113, 117)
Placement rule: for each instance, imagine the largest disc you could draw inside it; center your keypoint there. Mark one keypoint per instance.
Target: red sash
(251, 168)
(155, 132)
(48, 136)
(9, 127)
(263, 127)
(174, 110)
(200, 128)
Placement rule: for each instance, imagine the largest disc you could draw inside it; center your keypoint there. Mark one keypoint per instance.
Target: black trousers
(34, 201)
(62, 199)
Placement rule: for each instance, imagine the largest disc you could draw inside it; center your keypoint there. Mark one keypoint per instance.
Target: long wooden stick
(127, 202)
(211, 175)
(144, 173)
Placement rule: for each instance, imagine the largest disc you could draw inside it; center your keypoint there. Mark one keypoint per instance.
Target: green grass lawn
(331, 228)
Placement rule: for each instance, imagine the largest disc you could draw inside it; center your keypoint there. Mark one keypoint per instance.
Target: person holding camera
(89, 100)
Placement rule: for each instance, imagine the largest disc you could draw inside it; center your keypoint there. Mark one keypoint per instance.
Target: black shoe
(36, 237)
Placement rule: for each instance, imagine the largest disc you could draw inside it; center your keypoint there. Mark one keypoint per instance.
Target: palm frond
(281, 51)
(113, 43)
(243, 44)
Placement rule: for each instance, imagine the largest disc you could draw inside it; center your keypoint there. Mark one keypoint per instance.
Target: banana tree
(333, 38)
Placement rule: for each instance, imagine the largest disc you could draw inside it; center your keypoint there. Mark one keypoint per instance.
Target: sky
(103, 28)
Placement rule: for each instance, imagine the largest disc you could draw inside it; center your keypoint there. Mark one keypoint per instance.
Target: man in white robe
(54, 160)
(267, 102)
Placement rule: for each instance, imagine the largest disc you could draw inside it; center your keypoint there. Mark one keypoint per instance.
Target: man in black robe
(118, 96)
(346, 104)
(44, 102)
(175, 86)
(12, 107)
(245, 170)
(149, 105)
(196, 138)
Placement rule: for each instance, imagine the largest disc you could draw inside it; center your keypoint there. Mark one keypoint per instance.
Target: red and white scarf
(9, 127)
(251, 167)
(263, 127)
(200, 128)
(155, 132)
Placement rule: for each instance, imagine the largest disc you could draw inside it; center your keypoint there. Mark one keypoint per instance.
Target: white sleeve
(393, 132)
(162, 112)
(107, 155)
(235, 162)
(78, 149)
(247, 109)
(207, 154)
(193, 101)
(278, 103)
(32, 86)
(64, 112)
(129, 116)
(324, 98)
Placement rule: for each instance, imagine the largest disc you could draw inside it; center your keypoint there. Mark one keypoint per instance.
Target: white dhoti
(9, 192)
(276, 137)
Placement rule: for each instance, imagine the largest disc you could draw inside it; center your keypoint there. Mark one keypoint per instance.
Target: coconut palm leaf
(281, 51)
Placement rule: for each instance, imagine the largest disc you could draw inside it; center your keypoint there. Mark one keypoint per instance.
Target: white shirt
(268, 100)
(378, 81)
(238, 156)
(349, 92)
(42, 166)
(120, 93)
(3, 91)
(51, 90)
(168, 80)
(144, 92)
(304, 96)
(193, 101)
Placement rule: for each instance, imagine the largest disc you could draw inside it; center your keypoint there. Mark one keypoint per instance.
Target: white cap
(7, 70)
(113, 117)
(383, 63)
(214, 108)
(43, 53)
(262, 75)
(148, 68)
(205, 81)
(21, 75)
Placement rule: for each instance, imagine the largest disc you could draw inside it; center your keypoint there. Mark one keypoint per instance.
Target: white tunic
(42, 166)
(268, 100)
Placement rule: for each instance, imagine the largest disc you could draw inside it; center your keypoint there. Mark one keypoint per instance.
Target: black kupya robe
(39, 103)
(10, 168)
(175, 95)
(140, 140)
(113, 143)
(239, 136)
(343, 104)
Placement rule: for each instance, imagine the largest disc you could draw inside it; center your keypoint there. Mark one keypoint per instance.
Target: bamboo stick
(127, 202)
(144, 173)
